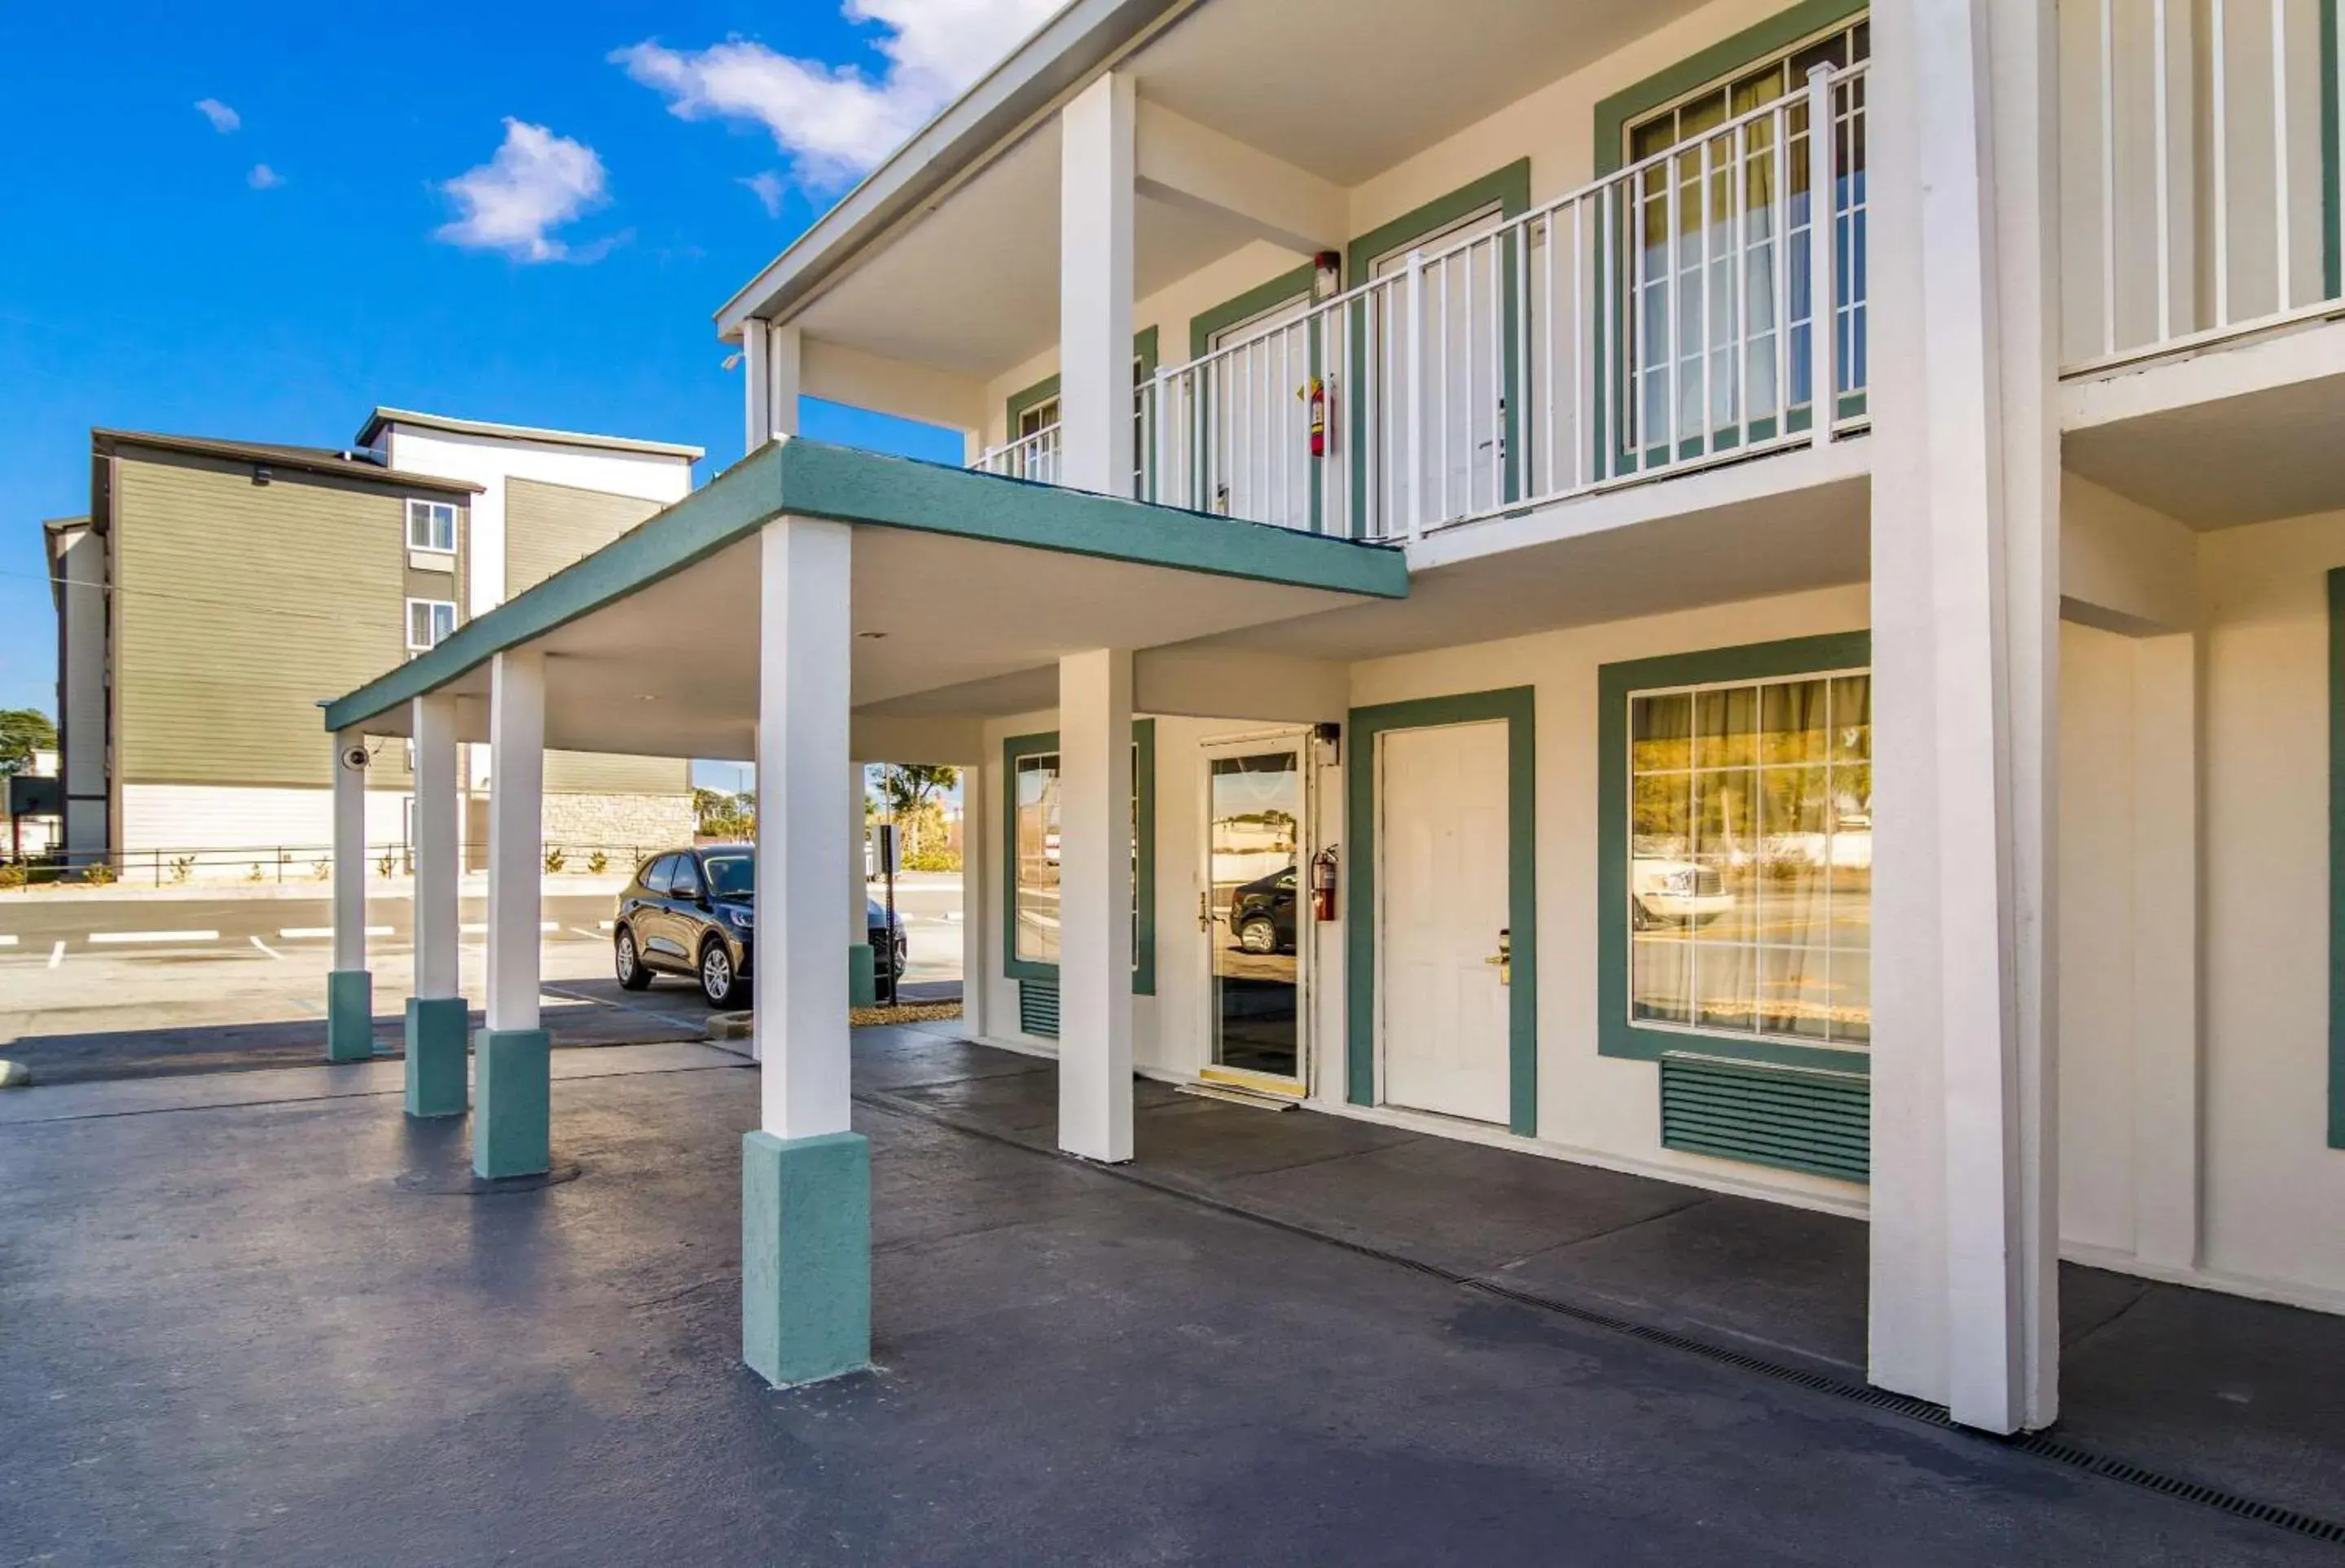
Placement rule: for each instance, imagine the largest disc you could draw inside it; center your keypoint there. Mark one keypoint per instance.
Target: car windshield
(731, 876)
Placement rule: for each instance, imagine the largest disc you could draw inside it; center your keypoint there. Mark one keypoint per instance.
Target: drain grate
(2057, 1449)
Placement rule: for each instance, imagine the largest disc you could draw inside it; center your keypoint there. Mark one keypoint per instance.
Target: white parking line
(266, 949)
(301, 932)
(57, 953)
(7, 942)
(589, 935)
(105, 936)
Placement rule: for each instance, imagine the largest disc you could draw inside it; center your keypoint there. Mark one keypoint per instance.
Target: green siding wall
(240, 606)
(547, 527)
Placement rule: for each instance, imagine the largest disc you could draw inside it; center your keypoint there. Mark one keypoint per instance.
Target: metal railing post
(1822, 222)
(1412, 364)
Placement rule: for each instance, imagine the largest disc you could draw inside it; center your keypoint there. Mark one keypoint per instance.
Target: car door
(687, 918)
(655, 935)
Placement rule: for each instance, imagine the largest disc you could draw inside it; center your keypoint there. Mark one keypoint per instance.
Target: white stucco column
(805, 1177)
(1966, 503)
(511, 1131)
(437, 1068)
(976, 898)
(350, 988)
(1095, 195)
(784, 370)
(1095, 904)
(756, 387)
(800, 974)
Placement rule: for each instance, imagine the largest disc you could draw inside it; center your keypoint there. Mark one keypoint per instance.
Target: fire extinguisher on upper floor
(1314, 393)
(1322, 884)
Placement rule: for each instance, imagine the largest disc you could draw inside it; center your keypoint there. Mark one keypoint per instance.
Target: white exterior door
(1462, 362)
(1441, 904)
(1259, 449)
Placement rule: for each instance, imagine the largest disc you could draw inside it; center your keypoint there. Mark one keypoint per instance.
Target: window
(684, 883)
(1703, 346)
(657, 879)
(432, 525)
(732, 876)
(429, 622)
(1031, 894)
(1750, 860)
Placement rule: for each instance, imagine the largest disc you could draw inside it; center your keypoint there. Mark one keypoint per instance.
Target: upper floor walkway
(1396, 268)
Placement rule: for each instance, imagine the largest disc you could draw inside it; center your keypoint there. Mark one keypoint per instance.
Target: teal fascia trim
(513, 1132)
(1723, 58)
(2337, 859)
(1518, 706)
(805, 1257)
(805, 478)
(438, 1056)
(862, 975)
(1144, 873)
(1615, 1035)
(1509, 189)
(349, 1015)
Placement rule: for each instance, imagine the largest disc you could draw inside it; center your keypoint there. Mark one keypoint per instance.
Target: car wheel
(633, 975)
(717, 981)
(1258, 935)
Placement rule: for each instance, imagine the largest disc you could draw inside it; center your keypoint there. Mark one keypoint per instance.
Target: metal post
(1411, 365)
(1821, 221)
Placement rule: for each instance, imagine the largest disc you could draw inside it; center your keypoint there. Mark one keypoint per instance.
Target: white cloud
(834, 122)
(264, 178)
(538, 181)
(224, 118)
(768, 187)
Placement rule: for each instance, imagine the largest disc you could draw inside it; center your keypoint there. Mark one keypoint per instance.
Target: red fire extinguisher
(1322, 884)
(1315, 394)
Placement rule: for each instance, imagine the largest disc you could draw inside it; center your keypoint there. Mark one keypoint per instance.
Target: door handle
(1504, 958)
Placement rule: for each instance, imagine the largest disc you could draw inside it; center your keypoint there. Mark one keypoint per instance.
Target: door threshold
(1238, 1096)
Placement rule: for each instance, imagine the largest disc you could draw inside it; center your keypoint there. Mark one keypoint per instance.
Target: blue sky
(258, 220)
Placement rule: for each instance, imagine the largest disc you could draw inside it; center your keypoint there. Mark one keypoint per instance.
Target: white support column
(806, 1177)
(437, 1068)
(2166, 961)
(1095, 904)
(800, 983)
(756, 387)
(976, 898)
(1095, 194)
(784, 370)
(1965, 664)
(350, 988)
(511, 1135)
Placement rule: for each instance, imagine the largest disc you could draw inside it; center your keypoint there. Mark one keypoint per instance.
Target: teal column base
(349, 1015)
(513, 1128)
(436, 1056)
(805, 1257)
(862, 975)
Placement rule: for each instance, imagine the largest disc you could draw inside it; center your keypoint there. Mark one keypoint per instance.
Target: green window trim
(1516, 705)
(1507, 188)
(1615, 1035)
(2337, 859)
(1724, 58)
(1045, 743)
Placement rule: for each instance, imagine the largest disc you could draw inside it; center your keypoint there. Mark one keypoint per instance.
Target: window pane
(1036, 936)
(1660, 733)
(1795, 991)
(1852, 719)
(1726, 725)
(1659, 981)
(1725, 986)
(1851, 856)
(1792, 722)
(1852, 998)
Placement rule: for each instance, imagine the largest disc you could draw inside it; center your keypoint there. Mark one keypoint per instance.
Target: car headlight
(742, 918)
(1678, 881)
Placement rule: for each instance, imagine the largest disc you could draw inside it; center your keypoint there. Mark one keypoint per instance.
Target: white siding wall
(183, 816)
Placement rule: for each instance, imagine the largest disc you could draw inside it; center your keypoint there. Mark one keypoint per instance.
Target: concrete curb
(731, 1025)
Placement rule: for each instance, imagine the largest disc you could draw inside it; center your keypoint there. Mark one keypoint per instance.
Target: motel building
(1738, 592)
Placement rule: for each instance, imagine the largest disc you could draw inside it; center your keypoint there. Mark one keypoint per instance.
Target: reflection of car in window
(1674, 892)
(1261, 913)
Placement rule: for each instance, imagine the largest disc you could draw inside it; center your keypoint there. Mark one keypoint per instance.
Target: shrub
(99, 873)
(385, 866)
(253, 874)
(14, 875)
(555, 860)
(598, 863)
(182, 866)
(323, 869)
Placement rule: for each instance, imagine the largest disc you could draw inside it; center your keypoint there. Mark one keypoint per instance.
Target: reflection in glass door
(1250, 910)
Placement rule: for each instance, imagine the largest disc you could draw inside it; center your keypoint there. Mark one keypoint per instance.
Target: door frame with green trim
(1045, 743)
(1260, 300)
(1517, 707)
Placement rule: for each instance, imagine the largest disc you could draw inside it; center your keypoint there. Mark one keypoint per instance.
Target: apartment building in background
(219, 589)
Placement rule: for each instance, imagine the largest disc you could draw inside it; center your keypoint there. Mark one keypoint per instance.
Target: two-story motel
(1736, 591)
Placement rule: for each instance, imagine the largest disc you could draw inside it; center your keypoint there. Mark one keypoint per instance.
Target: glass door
(1252, 911)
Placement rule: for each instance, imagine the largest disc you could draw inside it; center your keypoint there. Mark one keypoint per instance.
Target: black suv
(693, 913)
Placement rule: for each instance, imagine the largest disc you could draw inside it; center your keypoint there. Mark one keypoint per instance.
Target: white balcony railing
(1662, 318)
(1034, 456)
(2201, 143)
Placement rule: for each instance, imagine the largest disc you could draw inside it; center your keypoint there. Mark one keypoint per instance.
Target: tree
(723, 816)
(23, 731)
(906, 788)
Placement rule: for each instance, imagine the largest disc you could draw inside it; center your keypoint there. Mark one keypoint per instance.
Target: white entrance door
(1258, 452)
(1441, 905)
(1463, 365)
